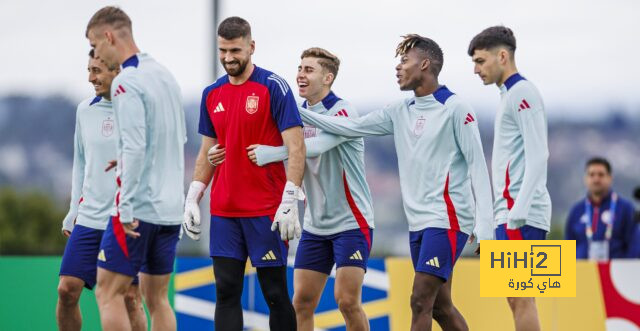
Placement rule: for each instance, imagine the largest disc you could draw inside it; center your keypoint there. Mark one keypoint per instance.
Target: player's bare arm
(294, 140)
(286, 219)
(203, 171)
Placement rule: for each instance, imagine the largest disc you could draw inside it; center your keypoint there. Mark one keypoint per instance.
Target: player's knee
(442, 312)
(420, 304)
(101, 293)
(156, 303)
(303, 304)
(520, 304)
(154, 298)
(228, 291)
(151, 292)
(69, 294)
(132, 300)
(348, 304)
(106, 293)
(275, 297)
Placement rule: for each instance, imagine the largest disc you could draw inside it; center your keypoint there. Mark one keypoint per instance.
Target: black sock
(229, 274)
(273, 282)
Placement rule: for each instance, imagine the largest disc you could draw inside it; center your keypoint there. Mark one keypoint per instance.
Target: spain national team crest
(309, 131)
(419, 128)
(107, 127)
(252, 104)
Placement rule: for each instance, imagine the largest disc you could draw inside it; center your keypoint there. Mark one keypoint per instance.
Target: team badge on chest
(252, 104)
(309, 131)
(107, 127)
(419, 127)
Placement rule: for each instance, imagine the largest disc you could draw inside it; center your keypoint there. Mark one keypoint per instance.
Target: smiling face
(411, 69)
(313, 81)
(235, 54)
(101, 77)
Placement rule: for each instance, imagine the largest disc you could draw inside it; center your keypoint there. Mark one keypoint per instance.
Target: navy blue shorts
(81, 255)
(435, 251)
(152, 253)
(80, 258)
(242, 237)
(347, 248)
(526, 232)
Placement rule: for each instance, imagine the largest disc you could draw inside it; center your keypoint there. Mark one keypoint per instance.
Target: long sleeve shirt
(150, 120)
(94, 145)
(520, 153)
(440, 159)
(338, 196)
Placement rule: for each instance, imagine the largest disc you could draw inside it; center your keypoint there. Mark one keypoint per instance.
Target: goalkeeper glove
(286, 219)
(191, 223)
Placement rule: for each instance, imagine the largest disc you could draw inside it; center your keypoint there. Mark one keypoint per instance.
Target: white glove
(191, 224)
(69, 221)
(286, 219)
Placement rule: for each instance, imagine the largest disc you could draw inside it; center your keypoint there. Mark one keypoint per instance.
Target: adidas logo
(524, 105)
(356, 256)
(342, 113)
(219, 108)
(269, 256)
(119, 90)
(101, 256)
(434, 262)
(469, 119)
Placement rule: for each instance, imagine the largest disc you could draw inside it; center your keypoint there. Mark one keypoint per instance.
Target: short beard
(600, 191)
(106, 94)
(411, 86)
(234, 73)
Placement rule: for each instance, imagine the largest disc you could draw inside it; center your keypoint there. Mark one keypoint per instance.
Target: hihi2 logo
(528, 268)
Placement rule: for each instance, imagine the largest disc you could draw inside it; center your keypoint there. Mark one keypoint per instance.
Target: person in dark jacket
(602, 223)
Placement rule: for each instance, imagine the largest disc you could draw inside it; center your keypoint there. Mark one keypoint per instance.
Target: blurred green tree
(30, 224)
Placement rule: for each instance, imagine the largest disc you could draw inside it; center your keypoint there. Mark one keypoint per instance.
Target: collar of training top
(95, 100)
(442, 94)
(328, 102)
(131, 62)
(513, 80)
